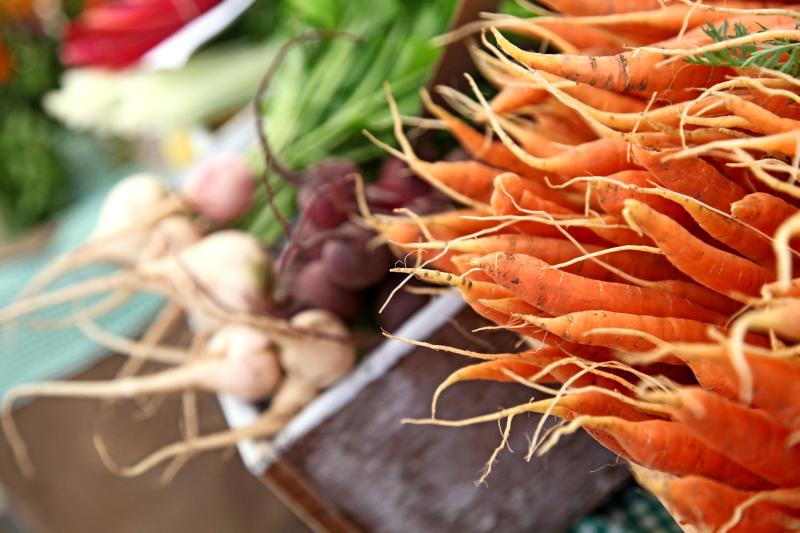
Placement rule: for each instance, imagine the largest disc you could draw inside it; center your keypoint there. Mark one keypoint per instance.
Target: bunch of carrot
(631, 215)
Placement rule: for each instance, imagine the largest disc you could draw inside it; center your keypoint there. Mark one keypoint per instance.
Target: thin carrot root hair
(790, 497)
(533, 381)
(421, 266)
(516, 149)
(680, 198)
(615, 249)
(785, 143)
(762, 85)
(567, 429)
(736, 352)
(586, 368)
(413, 161)
(680, 53)
(457, 351)
(498, 73)
(487, 469)
(536, 441)
(774, 183)
(545, 406)
(699, 4)
(657, 354)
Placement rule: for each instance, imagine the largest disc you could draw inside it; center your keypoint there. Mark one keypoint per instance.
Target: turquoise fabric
(631, 511)
(27, 353)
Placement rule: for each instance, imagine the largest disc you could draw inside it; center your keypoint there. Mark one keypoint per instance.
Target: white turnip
(122, 231)
(310, 362)
(222, 273)
(238, 360)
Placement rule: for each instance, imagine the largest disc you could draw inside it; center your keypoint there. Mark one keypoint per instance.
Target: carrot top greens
(777, 54)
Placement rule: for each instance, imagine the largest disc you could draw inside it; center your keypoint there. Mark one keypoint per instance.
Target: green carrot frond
(776, 54)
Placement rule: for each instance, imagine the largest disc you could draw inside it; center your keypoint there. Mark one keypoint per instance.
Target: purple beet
(327, 204)
(349, 265)
(328, 170)
(395, 175)
(430, 203)
(312, 288)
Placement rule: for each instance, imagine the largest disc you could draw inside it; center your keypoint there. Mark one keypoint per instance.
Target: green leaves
(32, 182)
(324, 14)
(776, 54)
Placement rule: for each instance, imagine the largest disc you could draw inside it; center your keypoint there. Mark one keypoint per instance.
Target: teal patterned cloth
(632, 510)
(28, 354)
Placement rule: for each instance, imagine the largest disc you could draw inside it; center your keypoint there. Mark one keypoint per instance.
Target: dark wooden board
(376, 474)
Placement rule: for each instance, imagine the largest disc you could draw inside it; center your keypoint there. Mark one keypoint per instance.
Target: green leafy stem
(776, 54)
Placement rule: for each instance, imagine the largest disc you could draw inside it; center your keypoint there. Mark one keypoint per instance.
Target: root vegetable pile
(630, 210)
(219, 281)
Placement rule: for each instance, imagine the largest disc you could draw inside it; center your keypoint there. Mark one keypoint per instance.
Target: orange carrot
(779, 105)
(709, 505)
(402, 233)
(627, 72)
(709, 266)
(554, 251)
(536, 143)
(560, 128)
(578, 327)
(583, 8)
(763, 211)
(714, 372)
(750, 437)
(659, 22)
(477, 145)
(555, 116)
(669, 447)
(460, 221)
(611, 228)
(556, 292)
(606, 100)
(582, 38)
(611, 197)
(470, 178)
(594, 158)
(513, 194)
(464, 267)
(692, 177)
(745, 240)
(699, 295)
(474, 292)
(514, 97)
(762, 120)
